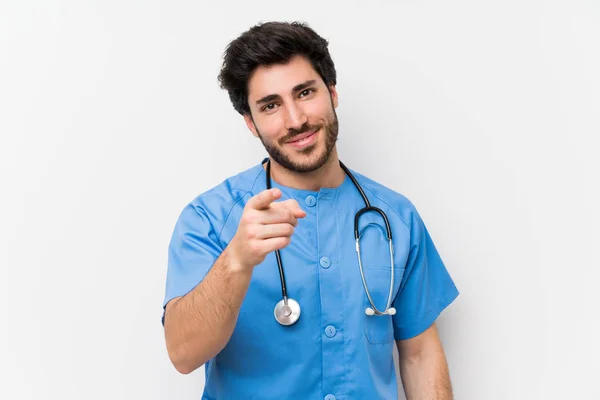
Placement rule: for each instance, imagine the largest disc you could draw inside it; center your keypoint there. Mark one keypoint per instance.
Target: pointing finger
(294, 207)
(262, 200)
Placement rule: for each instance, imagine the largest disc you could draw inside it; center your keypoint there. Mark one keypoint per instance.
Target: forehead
(280, 78)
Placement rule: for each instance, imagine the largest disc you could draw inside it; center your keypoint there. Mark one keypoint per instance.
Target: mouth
(304, 139)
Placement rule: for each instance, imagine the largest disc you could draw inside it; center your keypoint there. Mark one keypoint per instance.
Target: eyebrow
(295, 89)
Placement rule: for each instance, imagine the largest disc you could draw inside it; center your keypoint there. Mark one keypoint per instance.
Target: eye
(269, 107)
(306, 92)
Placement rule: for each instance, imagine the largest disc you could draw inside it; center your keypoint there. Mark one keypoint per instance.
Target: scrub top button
(330, 397)
(330, 331)
(310, 200)
(325, 262)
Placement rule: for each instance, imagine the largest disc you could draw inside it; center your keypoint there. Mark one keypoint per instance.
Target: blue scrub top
(334, 351)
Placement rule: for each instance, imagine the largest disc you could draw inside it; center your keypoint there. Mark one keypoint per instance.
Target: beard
(331, 128)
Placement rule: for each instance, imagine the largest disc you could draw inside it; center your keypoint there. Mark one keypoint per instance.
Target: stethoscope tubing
(284, 318)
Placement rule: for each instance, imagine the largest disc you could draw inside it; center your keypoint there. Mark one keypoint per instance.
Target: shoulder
(387, 198)
(215, 204)
(231, 189)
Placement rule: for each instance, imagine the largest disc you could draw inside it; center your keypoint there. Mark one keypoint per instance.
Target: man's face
(293, 114)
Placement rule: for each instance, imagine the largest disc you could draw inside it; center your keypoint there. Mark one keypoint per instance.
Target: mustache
(303, 129)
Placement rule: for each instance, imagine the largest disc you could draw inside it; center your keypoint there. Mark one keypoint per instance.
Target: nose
(295, 117)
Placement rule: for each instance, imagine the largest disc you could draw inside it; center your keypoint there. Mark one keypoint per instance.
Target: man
(223, 276)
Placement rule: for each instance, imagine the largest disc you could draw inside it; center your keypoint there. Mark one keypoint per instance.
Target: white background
(485, 114)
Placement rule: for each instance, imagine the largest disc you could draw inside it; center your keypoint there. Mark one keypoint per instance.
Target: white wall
(485, 114)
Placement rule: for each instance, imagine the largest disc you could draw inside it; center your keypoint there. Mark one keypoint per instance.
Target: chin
(310, 162)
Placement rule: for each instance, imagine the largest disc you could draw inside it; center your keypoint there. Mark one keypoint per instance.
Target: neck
(330, 175)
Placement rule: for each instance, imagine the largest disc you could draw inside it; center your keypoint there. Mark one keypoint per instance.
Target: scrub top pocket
(379, 328)
(375, 256)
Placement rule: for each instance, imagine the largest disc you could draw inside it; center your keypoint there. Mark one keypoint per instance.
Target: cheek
(320, 110)
(271, 127)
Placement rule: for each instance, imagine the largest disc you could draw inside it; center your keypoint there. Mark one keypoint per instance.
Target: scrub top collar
(301, 194)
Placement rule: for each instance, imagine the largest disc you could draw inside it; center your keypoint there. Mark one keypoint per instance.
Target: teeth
(304, 140)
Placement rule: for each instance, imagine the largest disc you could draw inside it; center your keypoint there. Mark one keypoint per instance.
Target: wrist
(234, 263)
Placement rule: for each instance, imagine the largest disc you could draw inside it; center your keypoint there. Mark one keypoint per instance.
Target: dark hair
(267, 44)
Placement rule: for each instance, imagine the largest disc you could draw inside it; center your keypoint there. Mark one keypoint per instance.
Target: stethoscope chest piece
(287, 314)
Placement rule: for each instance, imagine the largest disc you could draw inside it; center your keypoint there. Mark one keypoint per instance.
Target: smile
(304, 140)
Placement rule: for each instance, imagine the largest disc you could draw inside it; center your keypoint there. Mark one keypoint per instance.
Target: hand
(265, 226)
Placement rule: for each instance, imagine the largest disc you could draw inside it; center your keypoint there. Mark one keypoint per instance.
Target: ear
(250, 124)
(334, 95)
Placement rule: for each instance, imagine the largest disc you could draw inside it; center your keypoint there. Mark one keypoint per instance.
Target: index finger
(294, 207)
(262, 200)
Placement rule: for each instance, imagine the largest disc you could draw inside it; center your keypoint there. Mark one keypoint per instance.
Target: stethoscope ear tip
(390, 311)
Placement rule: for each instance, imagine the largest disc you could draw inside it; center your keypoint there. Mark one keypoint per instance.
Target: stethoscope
(287, 311)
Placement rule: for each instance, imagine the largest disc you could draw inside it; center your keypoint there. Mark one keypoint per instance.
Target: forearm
(426, 377)
(199, 324)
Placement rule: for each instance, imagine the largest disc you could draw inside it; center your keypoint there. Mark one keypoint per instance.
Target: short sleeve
(427, 288)
(193, 249)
